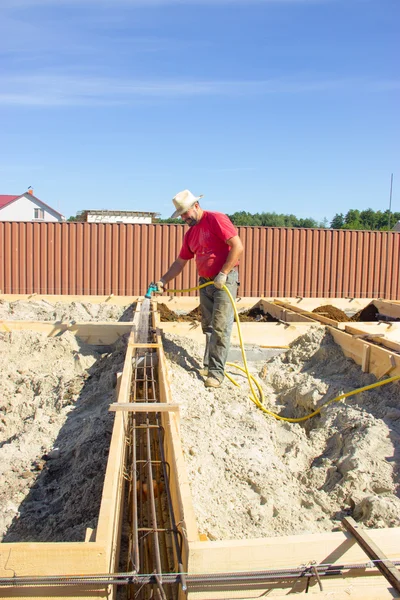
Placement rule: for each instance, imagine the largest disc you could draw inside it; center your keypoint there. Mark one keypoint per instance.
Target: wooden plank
(189, 303)
(143, 407)
(381, 361)
(355, 586)
(385, 566)
(284, 314)
(388, 308)
(348, 305)
(389, 333)
(59, 558)
(56, 592)
(310, 315)
(113, 481)
(286, 551)
(269, 334)
(365, 358)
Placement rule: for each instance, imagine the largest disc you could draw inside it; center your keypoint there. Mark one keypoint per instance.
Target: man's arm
(174, 270)
(234, 254)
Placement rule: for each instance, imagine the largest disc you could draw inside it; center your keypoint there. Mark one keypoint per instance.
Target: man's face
(192, 216)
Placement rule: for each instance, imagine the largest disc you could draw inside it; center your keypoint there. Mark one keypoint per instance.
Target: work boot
(203, 372)
(212, 382)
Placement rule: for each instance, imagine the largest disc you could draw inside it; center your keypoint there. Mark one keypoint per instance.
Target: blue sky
(289, 106)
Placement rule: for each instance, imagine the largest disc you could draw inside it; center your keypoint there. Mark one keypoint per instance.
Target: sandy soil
(44, 310)
(251, 475)
(254, 476)
(55, 430)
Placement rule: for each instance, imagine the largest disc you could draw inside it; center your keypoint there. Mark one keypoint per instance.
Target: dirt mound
(331, 312)
(254, 476)
(55, 432)
(195, 314)
(44, 310)
(256, 314)
(253, 314)
(369, 313)
(166, 314)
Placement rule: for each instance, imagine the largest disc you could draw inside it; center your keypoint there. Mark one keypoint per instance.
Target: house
(397, 226)
(117, 216)
(27, 208)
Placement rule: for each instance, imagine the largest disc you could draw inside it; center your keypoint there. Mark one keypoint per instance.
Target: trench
(253, 476)
(250, 475)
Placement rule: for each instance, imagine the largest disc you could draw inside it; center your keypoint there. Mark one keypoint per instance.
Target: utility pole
(390, 200)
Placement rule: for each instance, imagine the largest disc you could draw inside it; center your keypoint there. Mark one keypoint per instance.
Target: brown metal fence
(121, 259)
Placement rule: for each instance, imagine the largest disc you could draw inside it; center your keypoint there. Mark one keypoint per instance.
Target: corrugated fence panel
(121, 259)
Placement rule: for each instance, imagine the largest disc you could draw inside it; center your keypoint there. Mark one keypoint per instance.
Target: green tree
(352, 220)
(337, 221)
(177, 221)
(367, 218)
(324, 223)
(307, 223)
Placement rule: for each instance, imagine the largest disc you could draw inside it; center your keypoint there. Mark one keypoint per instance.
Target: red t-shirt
(207, 242)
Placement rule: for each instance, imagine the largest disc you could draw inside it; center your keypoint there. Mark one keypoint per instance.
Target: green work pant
(216, 321)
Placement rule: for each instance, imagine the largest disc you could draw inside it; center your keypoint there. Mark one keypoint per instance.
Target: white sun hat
(183, 201)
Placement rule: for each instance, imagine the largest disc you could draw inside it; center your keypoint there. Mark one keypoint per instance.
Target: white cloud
(82, 90)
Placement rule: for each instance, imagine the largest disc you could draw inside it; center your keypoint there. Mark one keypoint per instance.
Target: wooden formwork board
(283, 313)
(188, 303)
(109, 522)
(369, 588)
(386, 334)
(352, 305)
(308, 314)
(98, 334)
(305, 306)
(261, 334)
(388, 308)
(336, 548)
(372, 358)
(41, 559)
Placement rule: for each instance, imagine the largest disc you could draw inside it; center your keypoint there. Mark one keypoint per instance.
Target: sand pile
(368, 313)
(44, 310)
(254, 476)
(55, 431)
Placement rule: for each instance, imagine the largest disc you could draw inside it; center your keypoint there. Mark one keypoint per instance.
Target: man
(213, 240)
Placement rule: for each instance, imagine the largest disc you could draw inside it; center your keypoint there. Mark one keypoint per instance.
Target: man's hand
(220, 280)
(160, 287)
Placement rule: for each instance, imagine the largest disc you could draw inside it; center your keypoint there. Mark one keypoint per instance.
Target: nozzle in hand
(155, 288)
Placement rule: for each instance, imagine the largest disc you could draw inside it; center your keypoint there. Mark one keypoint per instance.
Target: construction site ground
(251, 476)
(254, 476)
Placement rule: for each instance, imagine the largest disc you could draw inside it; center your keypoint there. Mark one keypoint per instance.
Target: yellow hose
(259, 402)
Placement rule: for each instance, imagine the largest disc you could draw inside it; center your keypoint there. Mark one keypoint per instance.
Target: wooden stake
(386, 567)
(365, 358)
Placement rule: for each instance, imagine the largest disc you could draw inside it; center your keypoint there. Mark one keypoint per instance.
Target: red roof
(6, 200)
